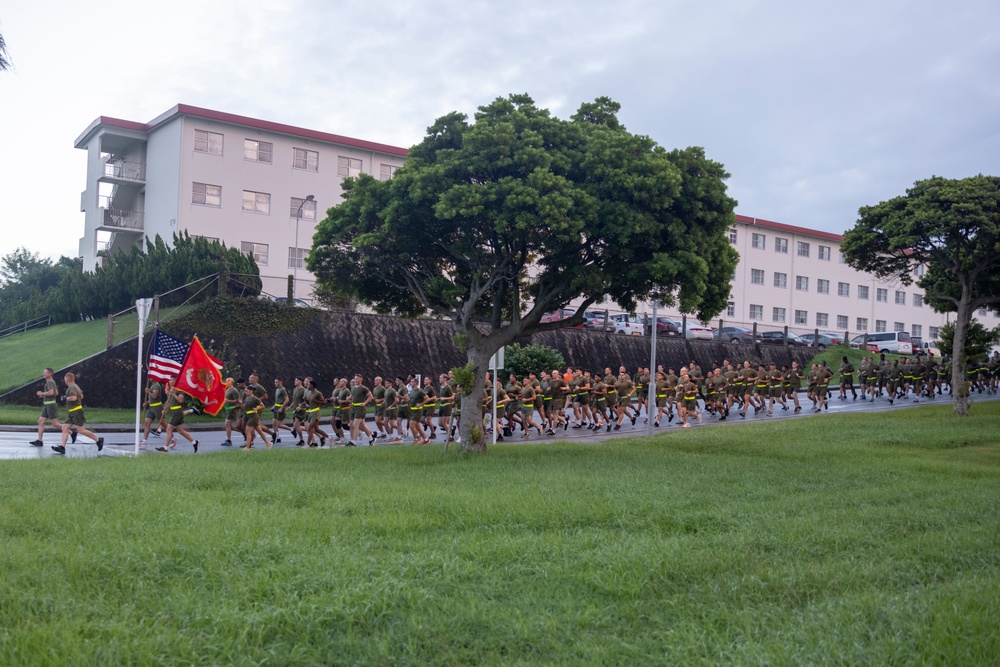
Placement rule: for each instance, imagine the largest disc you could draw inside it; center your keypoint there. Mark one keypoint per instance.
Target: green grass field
(27, 415)
(25, 354)
(855, 539)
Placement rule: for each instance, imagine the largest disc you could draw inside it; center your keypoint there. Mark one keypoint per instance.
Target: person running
(361, 396)
(793, 381)
(75, 420)
(315, 400)
(233, 406)
(298, 406)
(823, 377)
(175, 411)
(252, 407)
(687, 399)
(847, 379)
(446, 405)
(390, 405)
(776, 380)
(153, 406)
(281, 402)
(50, 411)
(417, 400)
(528, 409)
(378, 392)
(624, 390)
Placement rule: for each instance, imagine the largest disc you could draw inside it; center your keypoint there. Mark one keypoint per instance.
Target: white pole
(493, 389)
(651, 397)
(142, 311)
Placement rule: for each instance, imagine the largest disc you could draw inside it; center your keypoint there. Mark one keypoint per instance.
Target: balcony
(120, 171)
(121, 220)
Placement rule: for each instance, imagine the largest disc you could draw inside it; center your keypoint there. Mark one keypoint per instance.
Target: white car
(696, 331)
(627, 324)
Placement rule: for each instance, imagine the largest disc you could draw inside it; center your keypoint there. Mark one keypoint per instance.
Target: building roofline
(792, 229)
(246, 121)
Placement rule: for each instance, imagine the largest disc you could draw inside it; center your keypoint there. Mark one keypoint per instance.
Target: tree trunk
(473, 435)
(959, 389)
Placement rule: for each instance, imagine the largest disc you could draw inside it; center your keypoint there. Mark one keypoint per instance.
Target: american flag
(166, 357)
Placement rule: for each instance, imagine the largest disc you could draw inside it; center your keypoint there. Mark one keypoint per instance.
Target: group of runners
(420, 409)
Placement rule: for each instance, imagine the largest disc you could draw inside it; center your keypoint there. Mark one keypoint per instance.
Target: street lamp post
(295, 266)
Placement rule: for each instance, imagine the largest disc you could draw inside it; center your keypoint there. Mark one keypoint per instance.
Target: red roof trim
(219, 116)
(792, 229)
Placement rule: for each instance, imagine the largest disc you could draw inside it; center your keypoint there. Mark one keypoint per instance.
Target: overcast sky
(815, 109)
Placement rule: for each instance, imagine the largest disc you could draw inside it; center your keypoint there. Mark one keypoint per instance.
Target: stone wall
(341, 344)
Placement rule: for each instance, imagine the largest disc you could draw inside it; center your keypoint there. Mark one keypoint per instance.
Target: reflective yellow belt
(357, 404)
(250, 412)
(48, 402)
(313, 410)
(661, 395)
(690, 397)
(176, 407)
(153, 405)
(79, 407)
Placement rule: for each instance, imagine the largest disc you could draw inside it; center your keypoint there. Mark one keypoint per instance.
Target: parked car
(735, 335)
(778, 338)
(932, 347)
(697, 331)
(823, 340)
(595, 321)
(895, 342)
(917, 345)
(563, 314)
(627, 324)
(665, 327)
(298, 303)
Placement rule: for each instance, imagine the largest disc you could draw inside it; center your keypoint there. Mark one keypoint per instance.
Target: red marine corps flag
(200, 377)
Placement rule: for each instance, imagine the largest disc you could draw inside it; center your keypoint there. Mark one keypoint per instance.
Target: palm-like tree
(4, 56)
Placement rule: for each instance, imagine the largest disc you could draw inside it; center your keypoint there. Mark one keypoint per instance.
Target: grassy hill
(24, 355)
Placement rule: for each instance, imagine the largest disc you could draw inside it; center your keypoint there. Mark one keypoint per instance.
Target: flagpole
(142, 311)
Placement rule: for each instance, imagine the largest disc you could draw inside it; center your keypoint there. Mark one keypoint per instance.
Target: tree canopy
(31, 286)
(496, 221)
(949, 226)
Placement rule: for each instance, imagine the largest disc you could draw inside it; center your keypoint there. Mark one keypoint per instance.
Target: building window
(348, 167)
(863, 292)
(305, 159)
(801, 317)
(210, 239)
(918, 300)
(879, 326)
(898, 326)
(756, 312)
(803, 249)
(758, 241)
(308, 209)
(916, 330)
(900, 298)
(824, 253)
(862, 324)
(822, 286)
(780, 245)
(206, 195)
(256, 202)
(842, 259)
(882, 295)
(732, 235)
(756, 276)
(297, 258)
(731, 309)
(258, 151)
(822, 320)
(919, 273)
(208, 142)
(778, 314)
(932, 333)
(780, 280)
(842, 322)
(802, 283)
(843, 289)
(387, 171)
(257, 250)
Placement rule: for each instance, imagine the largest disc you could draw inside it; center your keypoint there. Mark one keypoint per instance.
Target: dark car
(665, 327)
(778, 338)
(918, 346)
(734, 335)
(822, 341)
(595, 321)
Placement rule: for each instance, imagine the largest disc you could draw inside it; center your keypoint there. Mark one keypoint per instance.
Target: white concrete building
(796, 277)
(240, 180)
(245, 182)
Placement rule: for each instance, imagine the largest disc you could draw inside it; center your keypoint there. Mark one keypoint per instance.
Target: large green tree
(952, 228)
(496, 221)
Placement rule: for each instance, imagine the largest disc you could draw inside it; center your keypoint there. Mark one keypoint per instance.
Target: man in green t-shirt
(153, 406)
(76, 420)
(232, 407)
(281, 401)
(361, 396)
(50, 412)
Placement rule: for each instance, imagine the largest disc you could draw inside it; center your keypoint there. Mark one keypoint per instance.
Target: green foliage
(35, 287)
(464, 377)
(856, 539)
(531, 358)
(461, 342)
(595, 210)
(978, 340)
(231, 317)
